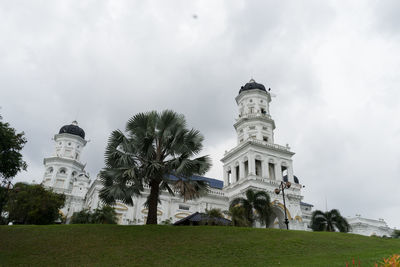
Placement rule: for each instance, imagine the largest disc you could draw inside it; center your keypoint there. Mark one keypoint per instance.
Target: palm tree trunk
(153, 202)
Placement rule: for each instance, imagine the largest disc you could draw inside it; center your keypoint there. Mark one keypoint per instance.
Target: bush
(105, 215)
(81, 217)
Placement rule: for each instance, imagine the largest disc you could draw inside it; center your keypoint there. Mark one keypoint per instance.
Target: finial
(75, 123)
(252, 80)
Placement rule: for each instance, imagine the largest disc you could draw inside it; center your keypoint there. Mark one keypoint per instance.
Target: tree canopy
(255, 207)
(32, 204)
(11, 143)
(329, 221)
(155, 146)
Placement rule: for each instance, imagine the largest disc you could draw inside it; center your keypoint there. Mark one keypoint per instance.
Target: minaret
(64, 171)
(256, 156)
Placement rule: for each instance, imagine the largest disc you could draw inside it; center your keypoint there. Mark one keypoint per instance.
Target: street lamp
(282, 187)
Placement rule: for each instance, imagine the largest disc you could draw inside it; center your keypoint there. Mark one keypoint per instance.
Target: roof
(214, 183)
(251, 85)
(199, 217)
(306, 204)
(74, 129)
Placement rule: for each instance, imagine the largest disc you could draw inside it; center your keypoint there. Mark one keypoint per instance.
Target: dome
(252, 85)
(74, 129)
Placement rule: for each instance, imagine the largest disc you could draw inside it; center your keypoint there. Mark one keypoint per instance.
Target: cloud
(332, 65)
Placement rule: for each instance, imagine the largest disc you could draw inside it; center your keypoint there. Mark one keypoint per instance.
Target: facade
(256, 162)
(369, 227)
(65, 173)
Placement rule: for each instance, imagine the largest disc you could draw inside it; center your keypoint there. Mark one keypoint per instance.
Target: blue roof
(306, 204)
(214, 183)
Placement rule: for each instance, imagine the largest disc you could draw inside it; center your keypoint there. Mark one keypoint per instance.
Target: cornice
(258, 143)
(66, 160)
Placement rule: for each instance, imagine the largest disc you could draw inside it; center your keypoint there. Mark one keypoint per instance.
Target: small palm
(256, 206)
(329, 221)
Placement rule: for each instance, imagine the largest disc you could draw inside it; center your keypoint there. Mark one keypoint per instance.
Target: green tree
(238, 216)
(256, 207)
(11, 143)
(329, 221)
(105, 215)
(81, 217)
(156, 145)
(396, 234)
(32, 204)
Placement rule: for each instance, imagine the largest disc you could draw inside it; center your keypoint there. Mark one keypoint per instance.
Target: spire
(252, 80)
(75, 123)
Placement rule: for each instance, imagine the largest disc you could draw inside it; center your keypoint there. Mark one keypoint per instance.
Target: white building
(65, 173)
(369, 227)
(256, 162)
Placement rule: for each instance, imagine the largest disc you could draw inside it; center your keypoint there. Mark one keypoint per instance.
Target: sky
(333, 66)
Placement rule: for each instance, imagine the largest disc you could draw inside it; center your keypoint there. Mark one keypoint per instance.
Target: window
(241, 131)
(253, 136)
(251, 100)
(63, 171)
(251, 110)
(183, 207)
(263, 111)
(265, 128)
(265, 138)
(261, 101)
(69, 143)
(60, 143)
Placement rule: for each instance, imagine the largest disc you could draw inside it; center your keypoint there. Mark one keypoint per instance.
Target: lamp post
(282, 187)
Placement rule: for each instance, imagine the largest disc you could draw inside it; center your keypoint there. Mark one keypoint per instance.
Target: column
(278, 171)
(226, 183)
(252, 165)
(241, 169)
(264, 168)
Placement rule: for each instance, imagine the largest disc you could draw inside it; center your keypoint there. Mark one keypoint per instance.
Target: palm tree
(105, 215)
(256, 205)
(329, 221)
(156, 146)
(238, 216)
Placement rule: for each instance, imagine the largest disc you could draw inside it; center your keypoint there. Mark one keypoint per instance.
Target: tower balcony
(254, 115)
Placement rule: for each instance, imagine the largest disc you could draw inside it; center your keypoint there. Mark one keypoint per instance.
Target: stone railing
(254, 115)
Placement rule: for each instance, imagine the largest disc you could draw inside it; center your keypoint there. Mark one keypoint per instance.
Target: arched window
(74, 173)
(50, 170)
(63, 171)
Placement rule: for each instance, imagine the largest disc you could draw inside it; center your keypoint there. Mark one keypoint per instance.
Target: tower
(256, 162)
(64, 172)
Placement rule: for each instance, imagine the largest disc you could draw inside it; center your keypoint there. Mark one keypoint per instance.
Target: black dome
(252, 85)
(73, 129)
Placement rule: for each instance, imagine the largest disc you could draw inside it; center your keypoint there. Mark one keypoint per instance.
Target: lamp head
(288, 184)
(277, 191)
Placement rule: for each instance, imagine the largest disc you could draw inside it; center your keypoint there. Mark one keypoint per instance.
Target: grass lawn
(115, 245)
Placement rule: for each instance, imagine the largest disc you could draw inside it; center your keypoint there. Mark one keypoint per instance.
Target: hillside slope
(90, 245)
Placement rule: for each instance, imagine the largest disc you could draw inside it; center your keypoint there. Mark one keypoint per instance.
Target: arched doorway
(277, 218)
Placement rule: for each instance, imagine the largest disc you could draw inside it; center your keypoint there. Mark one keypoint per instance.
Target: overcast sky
(333, 65)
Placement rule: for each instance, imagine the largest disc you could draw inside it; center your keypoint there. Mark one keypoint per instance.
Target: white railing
(254, 115)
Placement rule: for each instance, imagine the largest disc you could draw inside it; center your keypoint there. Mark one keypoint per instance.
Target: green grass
(115, 245)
